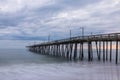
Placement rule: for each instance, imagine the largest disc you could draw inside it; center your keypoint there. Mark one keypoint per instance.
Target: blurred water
(18, 64)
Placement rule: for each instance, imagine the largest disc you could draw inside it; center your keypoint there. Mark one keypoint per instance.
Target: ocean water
(20, 64)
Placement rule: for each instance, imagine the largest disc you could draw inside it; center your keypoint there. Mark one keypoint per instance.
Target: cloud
(35, 20)
(11, 6)
(100, 16)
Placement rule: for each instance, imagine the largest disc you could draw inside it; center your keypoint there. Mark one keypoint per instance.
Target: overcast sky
(24, 21)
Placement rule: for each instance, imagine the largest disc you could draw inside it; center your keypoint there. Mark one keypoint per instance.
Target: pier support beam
(99, 57)
(89, 51)
(82, 52)
(110, 51)
(67, 51)
(71, 51)
(103, 51)
(106, 50)
(75, 52)
(116, 52)
(97, 49)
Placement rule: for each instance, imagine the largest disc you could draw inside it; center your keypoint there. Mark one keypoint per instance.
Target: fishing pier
(73, 48)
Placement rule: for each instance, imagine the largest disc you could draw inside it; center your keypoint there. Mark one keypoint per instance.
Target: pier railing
(99, 37)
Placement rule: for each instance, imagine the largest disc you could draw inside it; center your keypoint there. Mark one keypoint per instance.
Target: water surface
(20, 64)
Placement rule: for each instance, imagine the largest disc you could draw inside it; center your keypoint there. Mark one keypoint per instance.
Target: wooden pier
(73, 48)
